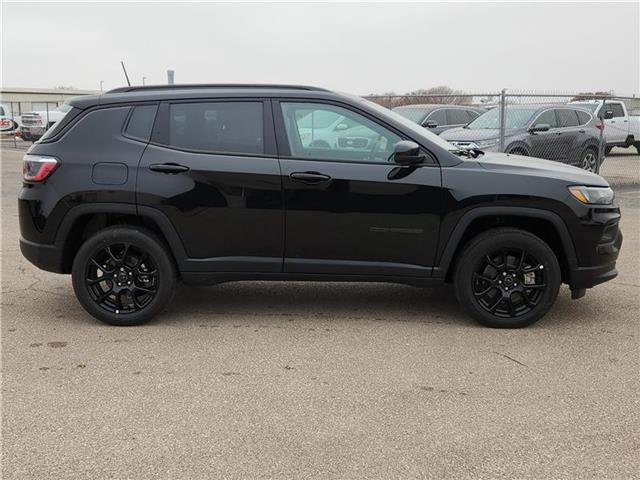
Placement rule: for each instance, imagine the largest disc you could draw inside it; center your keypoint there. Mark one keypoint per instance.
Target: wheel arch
(545, 224)
(83, 220)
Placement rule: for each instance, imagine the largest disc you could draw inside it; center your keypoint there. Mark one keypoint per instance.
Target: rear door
(211, 168)
(349, 209)
(547, 144)
(571, 133)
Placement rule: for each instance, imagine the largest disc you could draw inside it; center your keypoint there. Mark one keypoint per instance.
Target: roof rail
(188, 86)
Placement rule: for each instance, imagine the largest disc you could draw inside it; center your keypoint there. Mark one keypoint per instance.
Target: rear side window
(141, 122)
(217, 127)
(568, 118)
(583, 117)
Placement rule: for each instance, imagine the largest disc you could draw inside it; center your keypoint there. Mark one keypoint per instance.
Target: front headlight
(592, 195)
(487, 143)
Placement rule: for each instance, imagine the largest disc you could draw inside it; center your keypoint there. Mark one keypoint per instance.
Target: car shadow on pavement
(307, 301)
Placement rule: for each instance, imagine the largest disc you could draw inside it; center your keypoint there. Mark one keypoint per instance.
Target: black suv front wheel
(507, 278)
(123, 275)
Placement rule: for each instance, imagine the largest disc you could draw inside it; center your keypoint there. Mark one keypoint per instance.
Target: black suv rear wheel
(507, 278)
(123, 275)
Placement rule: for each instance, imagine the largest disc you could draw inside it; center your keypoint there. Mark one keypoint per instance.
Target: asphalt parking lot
(295, 380)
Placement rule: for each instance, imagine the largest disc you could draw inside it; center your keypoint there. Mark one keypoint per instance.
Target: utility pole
(143, 81)
(170, 76)
(101, 83)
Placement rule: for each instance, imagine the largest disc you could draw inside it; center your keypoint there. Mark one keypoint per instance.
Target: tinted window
(616, 108)
(516, 118)
(141, 122)
(583, 117)
(547, 117)
(353, 138)
(1, 111)
(439, 116)
(458, 117)
(225, 127)
(567, 118)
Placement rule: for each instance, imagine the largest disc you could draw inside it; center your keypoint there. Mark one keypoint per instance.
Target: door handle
(582, 131)
(310, 178)
(168, 168)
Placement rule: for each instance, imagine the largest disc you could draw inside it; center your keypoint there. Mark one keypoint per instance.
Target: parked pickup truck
(34, 124)
(621, 128)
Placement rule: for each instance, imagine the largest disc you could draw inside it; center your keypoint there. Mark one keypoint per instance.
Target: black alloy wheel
(124, 275)
(507, 278)
(509, 283)
(121, 278)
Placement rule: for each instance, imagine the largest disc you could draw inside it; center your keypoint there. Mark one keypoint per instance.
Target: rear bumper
(46, 257)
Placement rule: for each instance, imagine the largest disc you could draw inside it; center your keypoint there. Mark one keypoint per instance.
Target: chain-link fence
(574, 128)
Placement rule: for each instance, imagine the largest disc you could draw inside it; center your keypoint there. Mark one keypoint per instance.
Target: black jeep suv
(142, 186)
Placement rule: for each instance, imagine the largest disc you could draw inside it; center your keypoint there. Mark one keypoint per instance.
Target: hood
(469, 134)
(518, 164)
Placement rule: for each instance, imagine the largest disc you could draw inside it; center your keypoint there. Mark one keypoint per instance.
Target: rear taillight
(5, 123)
(600, 124)
(36, 169)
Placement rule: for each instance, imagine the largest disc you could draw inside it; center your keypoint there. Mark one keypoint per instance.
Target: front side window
(439, 116)
(350, 137)
(217, 127)
(548, 117)
(616, 108)
(458, 117)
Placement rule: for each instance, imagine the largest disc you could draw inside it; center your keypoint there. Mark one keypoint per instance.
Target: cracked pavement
(295, 380)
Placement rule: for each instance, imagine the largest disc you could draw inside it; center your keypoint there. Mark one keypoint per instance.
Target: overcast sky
(358, 48)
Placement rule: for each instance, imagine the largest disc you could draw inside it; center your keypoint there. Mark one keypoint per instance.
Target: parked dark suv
(142, 186)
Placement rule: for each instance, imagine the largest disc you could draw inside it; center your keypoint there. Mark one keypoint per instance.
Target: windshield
(415, 114)
(516, 118)
(411, 126)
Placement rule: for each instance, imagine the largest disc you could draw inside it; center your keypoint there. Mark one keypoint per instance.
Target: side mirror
(608, 114)
(406, 152)
(341, 127)
(430, 124)
(540, 127)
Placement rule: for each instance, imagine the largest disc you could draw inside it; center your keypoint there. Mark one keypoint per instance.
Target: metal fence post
(601, 140)
(503, 101)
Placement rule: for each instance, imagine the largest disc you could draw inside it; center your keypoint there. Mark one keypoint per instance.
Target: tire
(589, 160)
(607, 150)
(482, 276)
(135, 264)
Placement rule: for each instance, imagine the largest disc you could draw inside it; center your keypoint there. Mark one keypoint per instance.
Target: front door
(551, 144)
(349, 209)
(212, 170)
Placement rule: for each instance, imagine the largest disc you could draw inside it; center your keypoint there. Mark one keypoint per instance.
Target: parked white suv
(621, 128)
(34, 124)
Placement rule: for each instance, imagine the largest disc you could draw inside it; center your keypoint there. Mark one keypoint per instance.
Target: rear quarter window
(140, 122)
